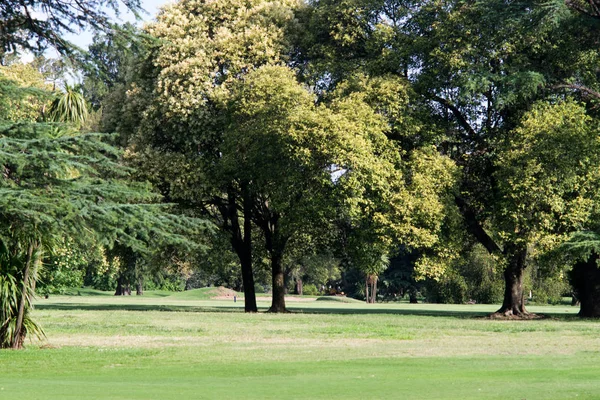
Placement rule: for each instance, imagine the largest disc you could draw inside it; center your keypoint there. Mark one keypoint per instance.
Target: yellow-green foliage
(27, 93)
(207, 43)
(549, 172)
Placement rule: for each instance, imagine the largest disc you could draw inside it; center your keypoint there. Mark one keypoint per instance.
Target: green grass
(105, 347)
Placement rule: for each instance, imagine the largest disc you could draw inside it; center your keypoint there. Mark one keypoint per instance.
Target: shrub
(310, 290)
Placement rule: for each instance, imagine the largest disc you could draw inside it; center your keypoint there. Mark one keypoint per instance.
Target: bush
(310, 290)
(260, 289)
(451, 288)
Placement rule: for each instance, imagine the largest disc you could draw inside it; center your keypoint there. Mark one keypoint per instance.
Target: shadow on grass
(293, 308)
(133, 307)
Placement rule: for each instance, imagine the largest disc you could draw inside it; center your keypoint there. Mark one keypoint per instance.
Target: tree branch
(456, 112)
(475, 227)
(589, 92)
(577, 6)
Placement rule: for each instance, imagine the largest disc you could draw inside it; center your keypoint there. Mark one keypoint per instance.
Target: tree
(179, 139)
(27, 25)
(479, 68)
(108, 69)
(60, 183)
(287, 149)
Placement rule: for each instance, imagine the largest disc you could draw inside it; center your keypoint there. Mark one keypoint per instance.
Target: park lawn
(102, 347)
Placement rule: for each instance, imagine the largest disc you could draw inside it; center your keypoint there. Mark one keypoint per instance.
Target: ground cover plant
(169, 347)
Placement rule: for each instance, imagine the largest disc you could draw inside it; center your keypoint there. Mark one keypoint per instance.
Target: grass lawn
(188, 347)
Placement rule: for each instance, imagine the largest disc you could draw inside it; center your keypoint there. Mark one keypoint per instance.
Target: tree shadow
(134, 307)
(294, 308)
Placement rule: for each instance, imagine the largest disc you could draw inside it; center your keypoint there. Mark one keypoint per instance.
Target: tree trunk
(119, 290)
(139, 288)
(513, 303)
(367, 290)
(278, 300)
(299, 286)
(412, 296)
(248, 281)
(585, 278)
(242, 243)
(371, 288)
(374, 292)
(247, 275)
(18, 336)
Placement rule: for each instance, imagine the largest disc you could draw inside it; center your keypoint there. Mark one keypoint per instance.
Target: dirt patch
(224, 292)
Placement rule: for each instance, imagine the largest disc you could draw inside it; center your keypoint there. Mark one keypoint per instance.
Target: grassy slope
(349, 351)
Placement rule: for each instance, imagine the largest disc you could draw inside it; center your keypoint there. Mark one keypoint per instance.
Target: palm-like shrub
(70, 106)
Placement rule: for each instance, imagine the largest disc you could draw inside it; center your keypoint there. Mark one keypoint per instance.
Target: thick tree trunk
(19, 336)
(278, 300)
(585, 278)
(412, 296)
(275, 245)
(248, 281)
(119, 290)
(513, 303)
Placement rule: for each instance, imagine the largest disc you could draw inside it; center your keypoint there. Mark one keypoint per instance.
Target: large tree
(306, 165)
(479, 68)
(181, 135)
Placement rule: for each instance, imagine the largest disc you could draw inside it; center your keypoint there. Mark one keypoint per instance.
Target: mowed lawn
(170, 347)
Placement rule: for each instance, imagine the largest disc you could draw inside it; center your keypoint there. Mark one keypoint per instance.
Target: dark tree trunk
(412, 296)
(278, 300)
(299, 286)
(242, 243)
(123, 287)
(119, 290)
(513, 303)
(18, 335)
(275, 245)
(585, 278)
(248, 282)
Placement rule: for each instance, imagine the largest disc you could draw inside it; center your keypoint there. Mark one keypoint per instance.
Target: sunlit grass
(114, 347)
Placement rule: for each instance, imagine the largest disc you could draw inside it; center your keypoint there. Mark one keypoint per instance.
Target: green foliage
(482, 275)
(310, 289)
(58, 183)
(548, 172)
(451, 288)
(23, 93)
